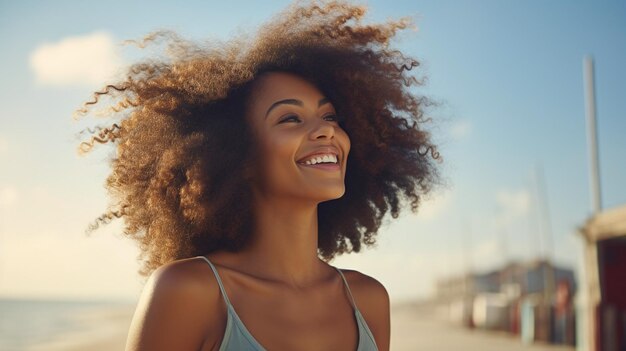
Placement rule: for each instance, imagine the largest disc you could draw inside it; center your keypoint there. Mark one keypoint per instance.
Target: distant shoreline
(105, 328)
(104, 300)
(38, 324)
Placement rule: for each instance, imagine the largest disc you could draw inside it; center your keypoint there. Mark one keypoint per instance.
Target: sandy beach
(416, 327)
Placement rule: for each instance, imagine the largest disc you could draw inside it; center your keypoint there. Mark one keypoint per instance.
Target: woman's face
(292, 120)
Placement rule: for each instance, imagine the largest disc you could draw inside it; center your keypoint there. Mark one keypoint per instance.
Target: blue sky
(508, 75)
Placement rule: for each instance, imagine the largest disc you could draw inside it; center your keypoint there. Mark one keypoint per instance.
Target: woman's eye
(336, 118)
(288, 118)
(294, 117)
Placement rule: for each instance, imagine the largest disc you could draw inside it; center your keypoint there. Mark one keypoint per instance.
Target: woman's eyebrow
(294, 102)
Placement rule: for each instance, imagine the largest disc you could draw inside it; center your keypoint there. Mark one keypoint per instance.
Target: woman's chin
(328, 196)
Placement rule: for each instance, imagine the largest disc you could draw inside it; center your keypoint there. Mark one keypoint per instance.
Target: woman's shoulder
(187, 281)
(187, 275)
(176, 307)
(370, 295)
(372, 299)
(367, 287)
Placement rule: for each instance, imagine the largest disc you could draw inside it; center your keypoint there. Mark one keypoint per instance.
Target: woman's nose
(323, 128)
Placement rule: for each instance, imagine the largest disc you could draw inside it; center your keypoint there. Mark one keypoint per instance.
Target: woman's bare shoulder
(372, 299)
(367, 287)
(191, 275)
(176, 309)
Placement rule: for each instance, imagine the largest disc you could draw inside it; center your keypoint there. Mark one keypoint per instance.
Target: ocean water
(25, 324)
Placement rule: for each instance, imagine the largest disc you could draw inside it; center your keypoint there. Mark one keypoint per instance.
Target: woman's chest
(291, 321)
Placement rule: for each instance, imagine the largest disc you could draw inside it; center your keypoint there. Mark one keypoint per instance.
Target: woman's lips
(333, 167)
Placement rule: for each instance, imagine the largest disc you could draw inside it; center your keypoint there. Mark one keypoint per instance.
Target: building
(520, 298)
(602, 300)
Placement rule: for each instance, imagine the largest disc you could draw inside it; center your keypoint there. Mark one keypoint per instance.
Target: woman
(240, 164)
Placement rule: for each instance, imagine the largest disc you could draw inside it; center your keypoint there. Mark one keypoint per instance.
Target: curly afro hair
(180, 174)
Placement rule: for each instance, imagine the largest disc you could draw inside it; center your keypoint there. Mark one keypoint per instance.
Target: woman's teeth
(323, 159)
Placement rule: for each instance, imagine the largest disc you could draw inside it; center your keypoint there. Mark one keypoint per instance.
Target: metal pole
(590, 109)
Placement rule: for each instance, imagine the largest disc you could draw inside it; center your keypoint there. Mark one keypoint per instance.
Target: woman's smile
(329, 167)
(324, 161)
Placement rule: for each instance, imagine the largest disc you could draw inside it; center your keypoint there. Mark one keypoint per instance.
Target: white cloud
(433, 206)
(8, 196)
(514, 203)
(77, 60)
(460, 129)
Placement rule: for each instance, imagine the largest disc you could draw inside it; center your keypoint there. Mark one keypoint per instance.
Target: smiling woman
(242, 168)
(303, 130)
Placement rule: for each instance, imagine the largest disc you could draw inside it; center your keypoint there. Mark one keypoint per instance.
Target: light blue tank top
(237, 337)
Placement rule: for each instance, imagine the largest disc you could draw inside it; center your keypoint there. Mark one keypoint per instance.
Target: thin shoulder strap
(347, 287)
(219, 281)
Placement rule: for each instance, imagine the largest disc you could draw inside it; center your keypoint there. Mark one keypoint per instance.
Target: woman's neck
(283, 246)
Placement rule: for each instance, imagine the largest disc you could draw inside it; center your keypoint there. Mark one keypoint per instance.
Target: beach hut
(602, 303)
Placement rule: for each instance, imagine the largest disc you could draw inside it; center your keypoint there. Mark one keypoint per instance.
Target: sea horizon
(53, 323)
